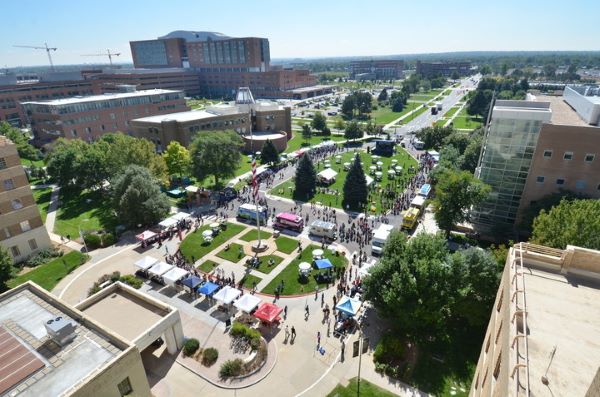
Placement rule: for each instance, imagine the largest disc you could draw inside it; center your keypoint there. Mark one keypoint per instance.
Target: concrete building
(222, 63)
(52, 349)
(446, 69)
(585, 100)
(90, 117)
(543, 338)
(22, 231)
(377, 69)
(255, 121)
(532, 149)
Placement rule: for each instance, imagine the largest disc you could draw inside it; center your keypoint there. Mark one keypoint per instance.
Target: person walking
(318, 339)
(285, 313)
(287, 332)
(293, 333)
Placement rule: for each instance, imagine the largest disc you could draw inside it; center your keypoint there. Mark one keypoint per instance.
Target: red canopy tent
(268, 312)
(145, 235)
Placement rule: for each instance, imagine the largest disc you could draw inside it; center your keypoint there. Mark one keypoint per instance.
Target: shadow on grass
(93, 205)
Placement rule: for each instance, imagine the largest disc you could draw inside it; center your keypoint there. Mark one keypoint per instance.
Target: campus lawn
(404, 159)
(286, 244)
(233, 253)
(249, 281)
(49, 274)
(193, 244)
(415, 114)
(367, 389)
(384, 115)
(441, 122)
(464, 121)
(253, 235)
(207, 266)
(264, 264)
(451, 112)
(298, 142)
(42, 199)
(292, 283)
(29, 163)
(88, 210)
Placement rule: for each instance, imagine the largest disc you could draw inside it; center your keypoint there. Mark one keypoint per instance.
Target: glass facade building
(505, 160)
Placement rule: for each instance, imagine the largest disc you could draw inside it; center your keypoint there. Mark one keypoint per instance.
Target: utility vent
(61, 331)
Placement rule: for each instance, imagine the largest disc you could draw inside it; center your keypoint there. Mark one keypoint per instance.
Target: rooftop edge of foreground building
(543, 337)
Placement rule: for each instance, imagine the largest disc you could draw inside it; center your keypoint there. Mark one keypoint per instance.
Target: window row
(579, 184)
(588, 158)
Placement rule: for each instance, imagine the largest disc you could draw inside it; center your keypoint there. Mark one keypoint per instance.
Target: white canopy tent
(327, 175)
(369, 180)
(167, 223)
(364, 270)
(159, 269)
(227, 294)
(192, 189)
(247, 303)
(180, 216)
(174, 275)
(418, 201)
(145, 263)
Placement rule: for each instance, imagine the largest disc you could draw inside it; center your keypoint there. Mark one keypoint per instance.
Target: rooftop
(180, 117)
(56, 367)
(310, 88)
(116, 310)
(104, 97)
(562, 113)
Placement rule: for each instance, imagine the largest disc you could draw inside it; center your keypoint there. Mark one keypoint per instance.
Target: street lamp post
(81, 236)
(360, 343)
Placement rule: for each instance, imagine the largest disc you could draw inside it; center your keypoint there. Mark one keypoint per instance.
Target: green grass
(286, 245)
(415, 114)
(286, 189)
(264, 264)
(248, 280)
(384, 115)
(49, 274)
(193, 244)
(451, 112)
(293, 284)
(253, 235)
(367, 389)
(298, 142)
(441, 122)
(29, 163)
(207, 266)
(87, 210)
(233, 253)
(42, 199)
(464, 121)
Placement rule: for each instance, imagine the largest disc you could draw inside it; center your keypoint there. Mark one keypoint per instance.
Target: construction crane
(108, 53)
(45, 47)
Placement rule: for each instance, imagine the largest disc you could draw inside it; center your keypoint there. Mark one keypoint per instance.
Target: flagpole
(255, 194)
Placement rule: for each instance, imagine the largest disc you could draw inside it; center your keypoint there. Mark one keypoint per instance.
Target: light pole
(81, 236)
(360, 343)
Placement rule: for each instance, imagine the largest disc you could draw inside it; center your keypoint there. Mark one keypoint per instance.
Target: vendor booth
(145, 263)
(327, 176)
(268, 313)
(173, 276)
(247, 303)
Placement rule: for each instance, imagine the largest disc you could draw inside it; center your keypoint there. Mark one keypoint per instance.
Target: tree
(216, 153)
(6, 268)
(269, 153)
(137, 198)
(306, 132)
(479, 103)
(355, 186)
(326, 131)
(306, 179)
(75, 163)
(340, 125)
(348, 106)
(353, 131)
(433, 137)
(383, 96)
(177, 158)
(319, 122)
(459, 140)
(456, 192)
(21, 140)
(485, 70)
(572, 222)
(470, 157)
(455, 75)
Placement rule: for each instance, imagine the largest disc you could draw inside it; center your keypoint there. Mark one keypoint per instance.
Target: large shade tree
(355, 186)
(177, 159)
(6, 268)
(216, 153)
(137, 198)
(269, 153)
(306, 179)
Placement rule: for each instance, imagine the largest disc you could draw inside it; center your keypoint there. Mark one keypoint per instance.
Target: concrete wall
(589, 111)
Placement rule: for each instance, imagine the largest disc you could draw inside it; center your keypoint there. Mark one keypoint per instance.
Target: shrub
(190, 346)
(115, 276)
(131, 280)
(42, 257)
(250, 335)
(389, 349)
(108, 239)
(231, 368)
(92, 241)
(210, 356)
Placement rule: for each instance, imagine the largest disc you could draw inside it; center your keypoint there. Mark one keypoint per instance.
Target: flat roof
(24, 311)
(117, 309)
(181, 117)
(562, 314)
(311, 88)
(104, 97)
(562, 113)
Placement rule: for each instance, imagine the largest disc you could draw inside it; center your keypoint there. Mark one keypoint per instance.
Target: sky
(298, 29)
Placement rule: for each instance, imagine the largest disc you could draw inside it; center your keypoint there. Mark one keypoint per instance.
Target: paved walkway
(51, 219)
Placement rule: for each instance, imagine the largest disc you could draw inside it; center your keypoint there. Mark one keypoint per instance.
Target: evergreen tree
(353, 131)
(319, 122)
(306, 179)
(383, 96)
(306, 132)
(269, 153)
(355, 186)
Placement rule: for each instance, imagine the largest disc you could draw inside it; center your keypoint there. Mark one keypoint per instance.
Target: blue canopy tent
(349, 306)
(208, 288)
(192, 282)
(323, 264)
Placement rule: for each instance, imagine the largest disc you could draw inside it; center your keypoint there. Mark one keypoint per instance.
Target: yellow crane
(45, 47)
(108, 53)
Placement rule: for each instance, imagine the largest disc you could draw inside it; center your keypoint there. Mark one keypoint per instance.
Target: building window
(588, 158)
(568, 156)
(497, 367)
(539, 179)
(547, 153)
(32, 244)
(500, 302)
(560, 181)
(73, 132)
(125, 387)
(9, 184)
(15, 251)
(498, 333)
(2, 163)
(25, 226)
(16, 204)
(580, 184)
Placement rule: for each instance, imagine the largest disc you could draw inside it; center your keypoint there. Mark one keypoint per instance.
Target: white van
(323, 229)
(380, 236)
